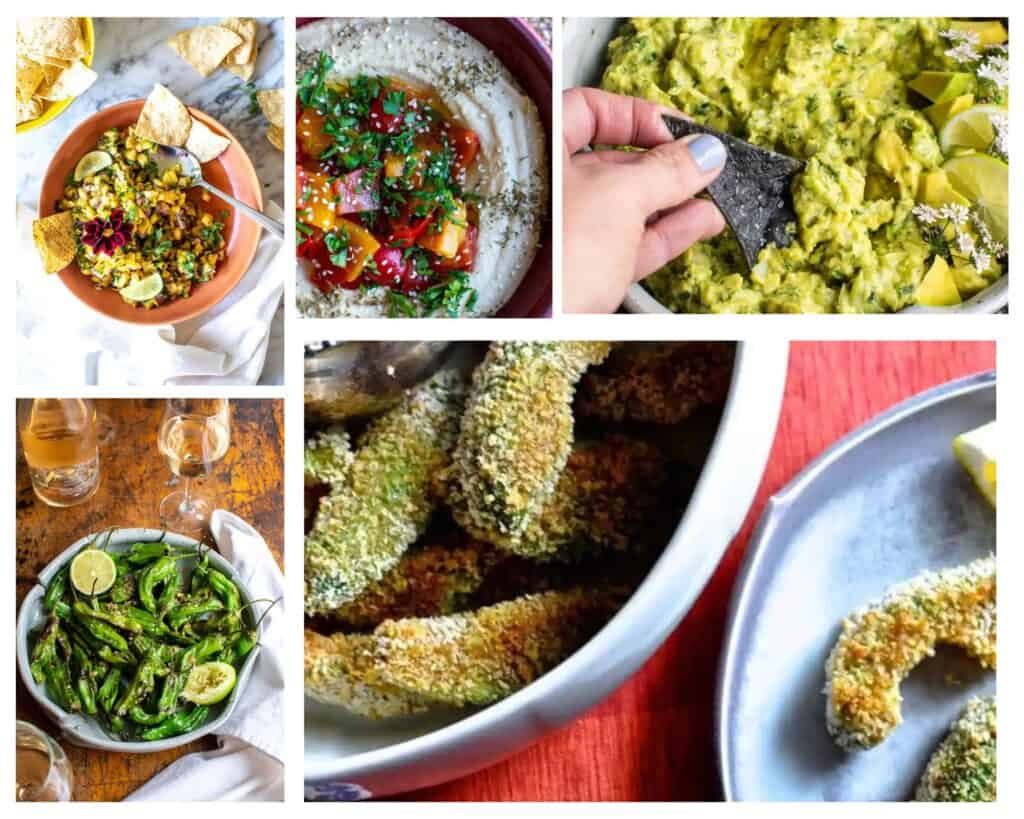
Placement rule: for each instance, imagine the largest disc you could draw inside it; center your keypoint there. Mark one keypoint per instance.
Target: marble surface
(132, 55)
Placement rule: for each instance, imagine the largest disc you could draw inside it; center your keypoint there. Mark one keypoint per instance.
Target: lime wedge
(985, 181)
(971, 128)
(92, 163)
(93, 572)
(143, 289)
(209, 683)
(976, 452)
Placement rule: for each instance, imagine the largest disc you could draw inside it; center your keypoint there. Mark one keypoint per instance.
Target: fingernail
(708, 152)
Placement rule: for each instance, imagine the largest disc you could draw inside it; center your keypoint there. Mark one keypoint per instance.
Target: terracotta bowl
(232, 172)
(527, 57)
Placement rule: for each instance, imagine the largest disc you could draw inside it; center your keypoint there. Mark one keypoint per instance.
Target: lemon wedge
(976, 452)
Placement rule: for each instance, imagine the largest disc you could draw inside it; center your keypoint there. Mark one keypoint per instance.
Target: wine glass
(43, 773)
(194, 435)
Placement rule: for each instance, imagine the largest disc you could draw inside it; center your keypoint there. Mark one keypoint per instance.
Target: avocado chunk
(942, 112)
(938, 287)
(936, 190)
(941, 86)
(990, 32)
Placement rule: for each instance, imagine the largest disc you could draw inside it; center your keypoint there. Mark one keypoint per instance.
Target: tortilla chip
(205, 143)
(69, 83)
(28, 74)
(272, 104)
(246, 28)
(204, 47)
(24, 111)
(276, 137)
(243, 72)
(54, 237)
(164, 119)
(51, 36)
(55, 62)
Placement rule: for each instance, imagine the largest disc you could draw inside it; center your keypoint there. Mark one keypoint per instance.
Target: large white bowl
(584, 46)
(81, 729)
(349, 757)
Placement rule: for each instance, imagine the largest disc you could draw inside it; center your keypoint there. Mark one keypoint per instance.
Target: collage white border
(298, 332)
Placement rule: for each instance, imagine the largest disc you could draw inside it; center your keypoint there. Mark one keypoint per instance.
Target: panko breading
(882, 643)
(339, 670)
(516, 434)
(328, 457)
(963, 767)
(483, 656)
(427, 581)
(608, 495)
(363, 527)
(660, 383)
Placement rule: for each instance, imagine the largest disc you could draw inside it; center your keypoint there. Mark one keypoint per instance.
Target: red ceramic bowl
(526, 56)
(232, 172)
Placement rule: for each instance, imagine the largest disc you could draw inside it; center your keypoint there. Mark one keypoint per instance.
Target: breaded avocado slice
(339, 671)
(963, 767)
(663, 383)
(516, 434)
(363, 527)
(426, 581)
(328, 457)
(480, 657)
(607, 498)
(882, 643)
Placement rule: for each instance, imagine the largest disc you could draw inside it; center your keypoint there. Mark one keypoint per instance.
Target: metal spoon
(187, 165)
(753, 191)
(358, 378)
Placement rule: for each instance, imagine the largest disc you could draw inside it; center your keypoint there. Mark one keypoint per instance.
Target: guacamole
(833, 92)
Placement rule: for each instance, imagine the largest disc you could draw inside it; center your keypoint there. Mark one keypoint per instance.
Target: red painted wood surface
(653, 739)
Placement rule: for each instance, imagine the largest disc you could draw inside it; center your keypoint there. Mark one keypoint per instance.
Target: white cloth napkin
(61, 341)
(248, 764)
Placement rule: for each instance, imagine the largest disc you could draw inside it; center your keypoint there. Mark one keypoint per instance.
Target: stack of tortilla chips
(232, 44)
(166, 121)
(49, 64)
(272, 104)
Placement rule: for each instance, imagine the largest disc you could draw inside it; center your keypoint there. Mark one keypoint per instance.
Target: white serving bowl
(584, 46)
(348, 757)
(81, 729)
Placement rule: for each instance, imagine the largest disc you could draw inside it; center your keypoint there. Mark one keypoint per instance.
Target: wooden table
(249, 481)
(653, 739)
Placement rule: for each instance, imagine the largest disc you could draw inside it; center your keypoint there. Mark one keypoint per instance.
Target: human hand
(627, 213)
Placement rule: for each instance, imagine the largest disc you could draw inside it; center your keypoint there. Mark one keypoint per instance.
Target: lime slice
(976, 452)
(92, 163)
(93, 572)
(209, 683)
(971, 128)
(985, 181)
(143, 289)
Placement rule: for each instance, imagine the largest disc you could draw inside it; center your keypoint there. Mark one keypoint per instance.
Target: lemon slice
(976, 452)
(143, 289)
(209, 683)
(92, 163)
(93, 572)
(985, 181)
(971, 128)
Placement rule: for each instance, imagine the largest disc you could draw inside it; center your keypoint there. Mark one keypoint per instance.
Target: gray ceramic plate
(584, 45)
(884, 504)
(85, 730)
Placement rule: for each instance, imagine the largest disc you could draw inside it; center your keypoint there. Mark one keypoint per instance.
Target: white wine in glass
(194, 435)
